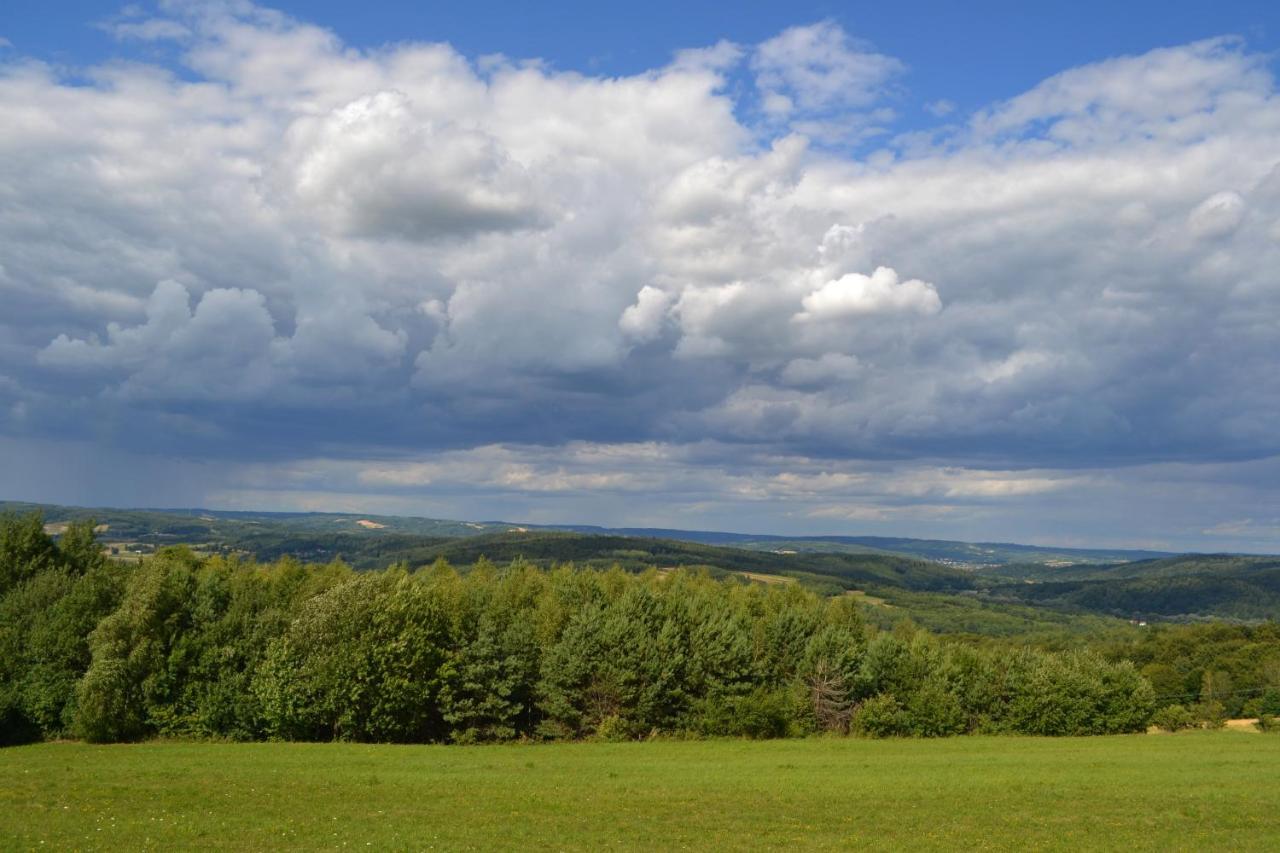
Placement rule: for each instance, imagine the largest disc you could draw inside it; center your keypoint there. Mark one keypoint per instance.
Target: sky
(988, 271)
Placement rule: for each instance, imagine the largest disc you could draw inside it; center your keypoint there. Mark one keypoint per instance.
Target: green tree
(361, 662)
(25, 549)
(137, 653)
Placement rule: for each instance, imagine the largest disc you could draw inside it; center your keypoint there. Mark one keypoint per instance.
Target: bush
(1076, 694)
(1173, 718)
(1267, 703)
(1211, 714)
(762, 713)
(933, 711)
(613, 729)
(881, 716)
(1269, 724)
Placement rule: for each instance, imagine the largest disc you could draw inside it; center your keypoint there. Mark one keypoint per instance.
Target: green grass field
(1191, 791)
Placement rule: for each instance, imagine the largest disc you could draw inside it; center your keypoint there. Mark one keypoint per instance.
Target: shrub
(762, 713)
(1268, 703)
(881, 716)
(614, 729)
(933, 711)
(1211, 714)
(1173, 718)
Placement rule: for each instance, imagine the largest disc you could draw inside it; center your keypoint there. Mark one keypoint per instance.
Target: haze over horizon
(796, 272)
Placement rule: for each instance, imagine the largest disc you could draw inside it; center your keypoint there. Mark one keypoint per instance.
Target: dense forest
(210, 646)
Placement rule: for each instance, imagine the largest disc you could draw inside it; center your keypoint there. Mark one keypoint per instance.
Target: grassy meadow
(1198, 790)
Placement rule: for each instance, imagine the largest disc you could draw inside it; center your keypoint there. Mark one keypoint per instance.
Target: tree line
(1207, 673)
(213, 647)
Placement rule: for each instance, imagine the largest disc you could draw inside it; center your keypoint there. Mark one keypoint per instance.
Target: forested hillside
(1186, 587)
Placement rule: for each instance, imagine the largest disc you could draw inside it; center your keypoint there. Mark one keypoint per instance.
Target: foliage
(1173, 718)
(205, 646)
(46, 617)
(881, 716)
(362, 662)
(25, 549)
(1231, 664)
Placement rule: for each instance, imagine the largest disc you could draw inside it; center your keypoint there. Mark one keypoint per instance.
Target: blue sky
(991, 272)
(968, 53)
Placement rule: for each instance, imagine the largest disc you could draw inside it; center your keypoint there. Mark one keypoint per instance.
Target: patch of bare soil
(756, 576)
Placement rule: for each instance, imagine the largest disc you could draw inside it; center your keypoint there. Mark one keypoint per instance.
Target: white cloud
(1167, 94)
(817, 67)
(940, 108)
(855, 294)
(156, 29)
(721, 56)
(644, 320)
(1218, 215)
(375, 169)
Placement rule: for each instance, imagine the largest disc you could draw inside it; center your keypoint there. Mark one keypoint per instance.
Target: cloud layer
(273, 247)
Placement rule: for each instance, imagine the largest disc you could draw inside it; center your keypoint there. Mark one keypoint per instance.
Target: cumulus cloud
(643, 321)
(855, 294)
(223, 348)
(403, 248)
(374, 169)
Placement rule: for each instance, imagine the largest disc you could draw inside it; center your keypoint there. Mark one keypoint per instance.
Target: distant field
(1191, 791)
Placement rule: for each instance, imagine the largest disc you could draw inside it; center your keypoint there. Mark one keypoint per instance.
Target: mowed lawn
(1190, 791)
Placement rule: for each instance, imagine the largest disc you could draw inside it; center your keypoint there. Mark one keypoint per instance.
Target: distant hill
(1188, 586)
(203, 525)
(968, 554)
(637, 552)
(370, 541)
(1166, 567)
(210, 524)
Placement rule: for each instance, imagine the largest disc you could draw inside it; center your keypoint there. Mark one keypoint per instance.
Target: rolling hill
(1191, 586)
(998, 581)
(224, 526)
